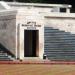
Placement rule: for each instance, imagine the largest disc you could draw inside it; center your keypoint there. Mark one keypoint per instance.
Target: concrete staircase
(5, 56)
(59, 45)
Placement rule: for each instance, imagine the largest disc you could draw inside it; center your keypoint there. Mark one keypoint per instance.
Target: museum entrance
(31, 43)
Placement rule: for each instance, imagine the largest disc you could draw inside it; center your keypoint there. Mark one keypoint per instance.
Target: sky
(71, 2)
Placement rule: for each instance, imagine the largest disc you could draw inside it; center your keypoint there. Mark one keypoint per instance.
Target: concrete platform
(38, 62)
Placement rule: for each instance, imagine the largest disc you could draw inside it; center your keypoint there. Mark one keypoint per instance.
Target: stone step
(59, 45)
(62, 58)
(4, 56)
(5, 59)
(59, 34)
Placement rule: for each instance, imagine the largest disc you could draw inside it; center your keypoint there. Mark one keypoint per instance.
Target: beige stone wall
(66, 24)
(8, 32)
(60, 21)
(22, 18)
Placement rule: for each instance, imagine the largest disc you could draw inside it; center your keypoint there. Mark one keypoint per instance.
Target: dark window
(62, 9)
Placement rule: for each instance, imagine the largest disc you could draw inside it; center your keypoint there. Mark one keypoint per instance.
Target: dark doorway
(31, 43)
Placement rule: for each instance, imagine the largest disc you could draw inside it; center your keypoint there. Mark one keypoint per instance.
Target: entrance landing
(38, 62)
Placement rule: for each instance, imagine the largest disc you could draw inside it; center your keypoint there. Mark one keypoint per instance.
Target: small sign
(31, 28)
(31, 25)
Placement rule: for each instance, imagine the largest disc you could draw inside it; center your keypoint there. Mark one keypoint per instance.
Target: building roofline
(4, 5)
(60, 15)
(8, 12)
(39, 4)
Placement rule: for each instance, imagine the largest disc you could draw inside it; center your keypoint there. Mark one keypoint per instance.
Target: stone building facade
(29, 30)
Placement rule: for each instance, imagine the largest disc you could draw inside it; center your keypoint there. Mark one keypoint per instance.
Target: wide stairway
(59, 45)
(4, 56)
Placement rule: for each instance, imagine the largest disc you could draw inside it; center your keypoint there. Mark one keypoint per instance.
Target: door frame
(21, 41)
